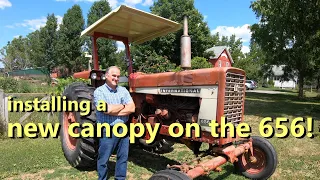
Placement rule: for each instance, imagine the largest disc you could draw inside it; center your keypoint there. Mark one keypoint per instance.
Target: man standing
(120, 105)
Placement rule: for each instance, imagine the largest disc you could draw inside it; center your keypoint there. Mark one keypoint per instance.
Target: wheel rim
(69, 118)
(254, 167)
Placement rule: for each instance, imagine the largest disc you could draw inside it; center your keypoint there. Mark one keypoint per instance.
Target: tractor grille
(234, 94)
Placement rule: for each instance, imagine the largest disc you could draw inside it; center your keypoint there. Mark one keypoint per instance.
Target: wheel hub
(69, 118)
(254, 164)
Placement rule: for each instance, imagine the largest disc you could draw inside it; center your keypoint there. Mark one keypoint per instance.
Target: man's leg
(106, 147)
(122, 158)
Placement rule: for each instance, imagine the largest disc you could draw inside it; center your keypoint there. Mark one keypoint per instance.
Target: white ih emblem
(236, 88)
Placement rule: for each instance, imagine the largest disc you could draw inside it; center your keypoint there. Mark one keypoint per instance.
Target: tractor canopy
(132, 24)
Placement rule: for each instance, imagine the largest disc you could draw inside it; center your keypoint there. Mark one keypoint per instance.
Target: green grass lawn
(298, 158)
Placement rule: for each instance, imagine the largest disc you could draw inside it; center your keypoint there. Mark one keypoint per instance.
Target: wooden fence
(3, 111)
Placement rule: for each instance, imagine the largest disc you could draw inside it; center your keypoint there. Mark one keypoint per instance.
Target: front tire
(169, 175)
(81, 152)
(266, 157)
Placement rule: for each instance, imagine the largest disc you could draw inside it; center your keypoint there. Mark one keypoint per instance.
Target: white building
(277, 73)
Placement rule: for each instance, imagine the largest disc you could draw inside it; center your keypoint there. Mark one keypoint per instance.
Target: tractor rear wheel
(264, 163)
(169, 175)
(81, 152)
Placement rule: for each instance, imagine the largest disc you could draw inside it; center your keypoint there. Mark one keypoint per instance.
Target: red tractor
(189, 96)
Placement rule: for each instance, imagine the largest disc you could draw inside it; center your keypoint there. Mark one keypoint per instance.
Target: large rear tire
(266, 160)
(81, 152)
(169, 175)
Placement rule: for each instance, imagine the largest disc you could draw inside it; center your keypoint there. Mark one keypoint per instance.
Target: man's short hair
(111, 67)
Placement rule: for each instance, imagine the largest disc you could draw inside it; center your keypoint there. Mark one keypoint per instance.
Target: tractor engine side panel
(207, 98)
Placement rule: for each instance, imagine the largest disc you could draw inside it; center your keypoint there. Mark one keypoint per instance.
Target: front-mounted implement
(190, 96)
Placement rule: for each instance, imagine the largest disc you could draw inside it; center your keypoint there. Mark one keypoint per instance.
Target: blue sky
(20, 17)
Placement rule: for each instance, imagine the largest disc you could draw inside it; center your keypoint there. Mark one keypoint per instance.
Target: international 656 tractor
(189, 96)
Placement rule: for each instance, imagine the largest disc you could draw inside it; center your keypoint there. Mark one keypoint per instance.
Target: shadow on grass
(279, 105)
(138, 156)
(152, 162)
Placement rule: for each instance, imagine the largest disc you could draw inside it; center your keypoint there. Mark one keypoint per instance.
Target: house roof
(217, 50)
(138, 26)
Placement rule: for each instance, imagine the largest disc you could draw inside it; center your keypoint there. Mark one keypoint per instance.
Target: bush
(24, 87)
(270, 83)
(200, 63)
(9, 85)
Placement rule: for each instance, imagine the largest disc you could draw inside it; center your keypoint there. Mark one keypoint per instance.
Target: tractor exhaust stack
(185, 46)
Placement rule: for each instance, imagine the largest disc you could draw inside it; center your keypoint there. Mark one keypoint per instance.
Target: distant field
(298, 158)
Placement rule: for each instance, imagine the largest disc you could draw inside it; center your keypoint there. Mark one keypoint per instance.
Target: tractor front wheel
(81, 152)
(263, 163)
(169, 175)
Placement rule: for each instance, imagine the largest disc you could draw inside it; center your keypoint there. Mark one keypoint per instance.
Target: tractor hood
(136, 25)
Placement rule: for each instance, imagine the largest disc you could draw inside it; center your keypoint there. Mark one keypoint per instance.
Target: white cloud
(245, 49)
(148, 3)
(120, 45)
(59, 19)
(16, 36)
(5, 3)
(113, 3)
(34, 24)
(132, 3)
(242, 32)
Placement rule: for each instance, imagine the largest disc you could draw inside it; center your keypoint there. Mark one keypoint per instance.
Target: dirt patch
(130, 176)
(32, 176)
(145, 176)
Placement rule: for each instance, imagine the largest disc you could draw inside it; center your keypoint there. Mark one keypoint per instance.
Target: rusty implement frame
(196, 167)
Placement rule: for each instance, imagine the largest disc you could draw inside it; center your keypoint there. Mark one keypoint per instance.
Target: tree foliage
(106, 48)
(70, 44)
(36, 46)
(151, 62)
(43, 45)
(234, 45)
(200, 62)
(169, 45)
(15, 54)
(289, 33)
(253, 63)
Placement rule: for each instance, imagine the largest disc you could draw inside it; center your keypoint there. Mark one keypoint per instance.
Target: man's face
(113, 76)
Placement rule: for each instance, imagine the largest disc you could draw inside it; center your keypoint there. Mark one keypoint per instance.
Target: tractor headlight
(94, 76)
(103, 76)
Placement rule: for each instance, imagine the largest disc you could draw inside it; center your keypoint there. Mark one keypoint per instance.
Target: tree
(121, 62)
(253, 63)
(288, 31)
(43, 45)
(170, 45)
(15, 56)
(106, 48)
(234, 45)
(70, 44)
(151, 62)
(35, 41)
